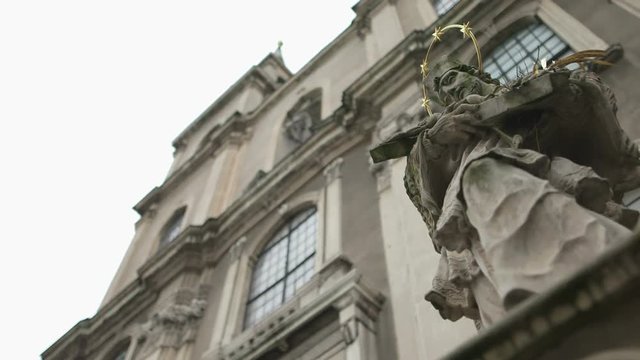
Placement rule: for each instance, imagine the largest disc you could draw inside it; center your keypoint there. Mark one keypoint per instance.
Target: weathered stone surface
(516, 184)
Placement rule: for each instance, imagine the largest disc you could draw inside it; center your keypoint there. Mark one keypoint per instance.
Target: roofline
(371, 4)
(226, 96)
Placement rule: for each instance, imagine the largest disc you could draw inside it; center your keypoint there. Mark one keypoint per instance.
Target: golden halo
(465, 29)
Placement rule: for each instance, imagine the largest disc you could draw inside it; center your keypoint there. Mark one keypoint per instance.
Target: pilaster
(225, 320)
(578, 36)
(333, 210)
(358, 316)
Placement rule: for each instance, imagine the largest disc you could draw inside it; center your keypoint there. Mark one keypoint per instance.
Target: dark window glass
(517, 54)
(285, 264)
(172, 229)
(443, 6)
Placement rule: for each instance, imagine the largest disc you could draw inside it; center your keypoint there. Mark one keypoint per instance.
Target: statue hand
(457, 124)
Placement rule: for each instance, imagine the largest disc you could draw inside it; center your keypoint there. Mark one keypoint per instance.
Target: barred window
(285, 264)
(443, 6)
(517, 54)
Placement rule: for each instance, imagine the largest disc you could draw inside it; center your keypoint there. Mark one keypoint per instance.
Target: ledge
(546, 319)
(321, 294)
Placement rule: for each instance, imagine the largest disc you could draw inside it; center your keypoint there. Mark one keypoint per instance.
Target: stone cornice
(547, 318)
(189, 252)
(253, 74)
(380, 72)
(309, 159)
(200, 246)
(236, 126)
(334, 292)
(90, 334)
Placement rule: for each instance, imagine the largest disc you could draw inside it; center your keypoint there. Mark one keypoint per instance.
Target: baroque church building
(275, 237)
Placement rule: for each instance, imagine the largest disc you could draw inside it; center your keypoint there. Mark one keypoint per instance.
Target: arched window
(284, 265)
(172, 229)
(443, 6)
(520, 51)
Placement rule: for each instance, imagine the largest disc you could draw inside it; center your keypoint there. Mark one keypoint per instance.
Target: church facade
(275, 237)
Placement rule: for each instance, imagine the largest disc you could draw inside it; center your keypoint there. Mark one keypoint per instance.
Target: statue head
(453, 81)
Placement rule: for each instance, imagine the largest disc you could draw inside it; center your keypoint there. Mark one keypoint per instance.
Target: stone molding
(578, 36)
(200, 246)
(209, 242)
(333, 171)
(88, 336)
(233, 132)
(238, 248)
(172, 327)
(342, 288)
(632, 6)
(255, 75)
(362, 22)
(547, 318)
(382, 172)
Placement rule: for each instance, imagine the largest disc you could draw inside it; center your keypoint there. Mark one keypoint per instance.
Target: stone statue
(519, 185)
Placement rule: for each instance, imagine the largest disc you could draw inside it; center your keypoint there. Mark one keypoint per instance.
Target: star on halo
(425, 103)
(424, 68)
(437, 33)
(465, 30)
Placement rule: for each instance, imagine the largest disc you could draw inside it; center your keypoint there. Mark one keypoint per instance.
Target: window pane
(172, 228)
(443, 6)
(270, 268)
(286, 263)
(302, 217)
(299, 277)
(302, 243)
(517, 54)
(264, 304)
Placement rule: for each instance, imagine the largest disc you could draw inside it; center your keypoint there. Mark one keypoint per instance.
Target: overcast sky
(91, 95)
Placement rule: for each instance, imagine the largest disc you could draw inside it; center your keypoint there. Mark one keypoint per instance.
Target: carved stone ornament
(172, 326)
(516, 184)
(299, 126)
(333, 170)
(303, 118)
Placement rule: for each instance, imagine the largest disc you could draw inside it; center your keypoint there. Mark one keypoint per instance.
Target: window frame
(564, 25)
(276, 237)
(175, 222)
(510, 33)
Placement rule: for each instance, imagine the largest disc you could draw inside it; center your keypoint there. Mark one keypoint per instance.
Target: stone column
(332, 211)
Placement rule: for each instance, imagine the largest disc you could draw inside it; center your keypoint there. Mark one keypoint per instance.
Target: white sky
(91, 95)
